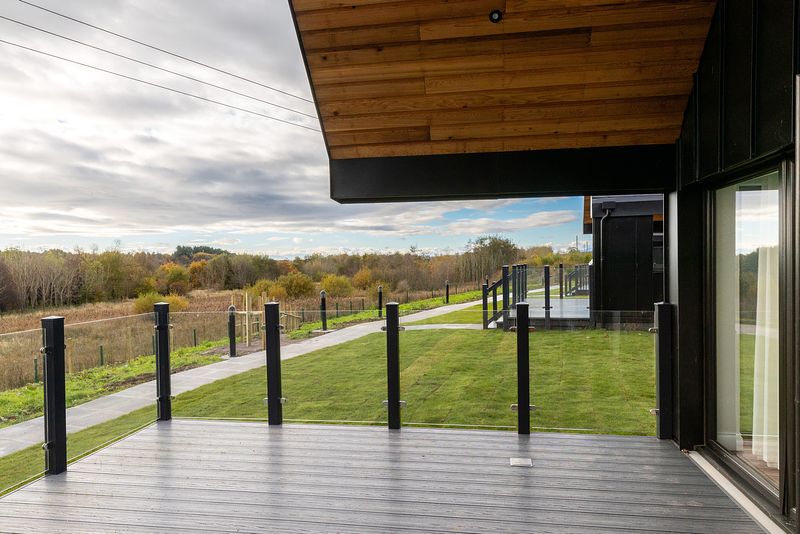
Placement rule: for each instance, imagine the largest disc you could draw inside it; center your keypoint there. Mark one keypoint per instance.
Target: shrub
(144, 302)
(363, 278)
(336, 285)
(296, 285)
(273, 291)
(172, 278)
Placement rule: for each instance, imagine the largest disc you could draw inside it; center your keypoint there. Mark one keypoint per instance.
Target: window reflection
(747, 325)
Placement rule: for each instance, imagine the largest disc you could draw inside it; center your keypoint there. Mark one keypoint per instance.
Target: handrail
(495, 285)
(516, 277)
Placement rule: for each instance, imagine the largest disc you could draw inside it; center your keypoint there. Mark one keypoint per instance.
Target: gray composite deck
(247, 477)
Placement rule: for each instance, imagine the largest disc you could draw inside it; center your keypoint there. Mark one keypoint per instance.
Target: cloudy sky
(88, 158)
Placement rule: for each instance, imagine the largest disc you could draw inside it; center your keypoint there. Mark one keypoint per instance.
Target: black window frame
(777, 502)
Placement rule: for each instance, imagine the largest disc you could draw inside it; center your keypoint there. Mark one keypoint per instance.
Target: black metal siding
(741, 106)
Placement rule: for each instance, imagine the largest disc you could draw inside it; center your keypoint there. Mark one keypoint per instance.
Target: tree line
(58, 278)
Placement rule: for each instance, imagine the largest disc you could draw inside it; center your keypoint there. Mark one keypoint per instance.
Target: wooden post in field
(263, 327)
(247, 318)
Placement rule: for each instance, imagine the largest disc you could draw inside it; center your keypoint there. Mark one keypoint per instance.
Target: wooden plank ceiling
(417, 77)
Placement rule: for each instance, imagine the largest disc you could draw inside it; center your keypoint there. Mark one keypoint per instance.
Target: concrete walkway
(31, 432)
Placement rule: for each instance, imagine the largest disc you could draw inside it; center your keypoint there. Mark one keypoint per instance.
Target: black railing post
(663, 331)
(163, 384)
(380, 301)
(524, 276)
(547, 297)
(393, 363)
(323, 309)
(505, 298)
(591, 287)
(514, 285)
(447, 291)
(272, 330)
(523, 372)
(55, 402)
(494, 299)
(485, 304)
(232, 330)
(561, 280)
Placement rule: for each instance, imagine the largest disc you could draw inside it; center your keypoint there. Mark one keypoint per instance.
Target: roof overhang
(434, 88)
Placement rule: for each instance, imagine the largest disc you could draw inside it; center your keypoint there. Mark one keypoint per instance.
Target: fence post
(194, 337)
(380, 301)
(447, 291)
(523, 372)
(505, 298)
(232, 330)
(525, 282)
(663, 331)
(591, 287)
(514, 285)
(102, 356)
(163, 385)
(323, 309)
(35, 370)
(560, 280)
(393, 363)
(272, 330)
(55, 403)
(337, 309)
(485, 303)
(547, 297)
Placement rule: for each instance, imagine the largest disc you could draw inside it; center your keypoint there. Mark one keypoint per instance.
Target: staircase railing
(577, 281)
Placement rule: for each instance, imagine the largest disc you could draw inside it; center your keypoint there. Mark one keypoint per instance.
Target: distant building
(627, 251)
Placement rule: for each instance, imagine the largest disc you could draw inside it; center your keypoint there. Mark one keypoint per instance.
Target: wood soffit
(419, 77)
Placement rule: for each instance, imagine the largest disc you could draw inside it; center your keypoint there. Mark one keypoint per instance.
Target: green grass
(747, 356)
(27, 402)
(594, 380)
(471, 315)
(306, 329)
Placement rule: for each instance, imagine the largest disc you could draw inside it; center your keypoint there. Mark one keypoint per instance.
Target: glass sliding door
(747, 256)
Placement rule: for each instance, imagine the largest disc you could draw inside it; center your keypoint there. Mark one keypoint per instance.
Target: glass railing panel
(594, 375)
(21, 403)
(201, 338)
(339, 378)
(110, 381)
(456, 374)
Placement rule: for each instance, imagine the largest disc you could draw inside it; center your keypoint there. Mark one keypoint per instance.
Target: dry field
(108, 333)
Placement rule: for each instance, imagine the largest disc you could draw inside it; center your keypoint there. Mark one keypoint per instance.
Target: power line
(104, 50)
(198, 97)
(173, 54)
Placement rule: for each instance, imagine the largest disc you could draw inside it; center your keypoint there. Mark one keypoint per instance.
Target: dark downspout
(607, 208)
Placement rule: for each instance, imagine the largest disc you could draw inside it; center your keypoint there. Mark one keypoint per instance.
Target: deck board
(211, 476)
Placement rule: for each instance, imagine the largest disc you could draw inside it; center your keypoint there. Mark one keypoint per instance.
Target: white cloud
(86, 155)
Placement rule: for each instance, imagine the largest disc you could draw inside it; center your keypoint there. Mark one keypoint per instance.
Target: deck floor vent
(521, 462)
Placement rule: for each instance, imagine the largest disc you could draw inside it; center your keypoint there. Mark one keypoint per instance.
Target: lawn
(593, 380)
(747, 356)
(306, 329)
(27, 402)
(471, 315)
(589, 381)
